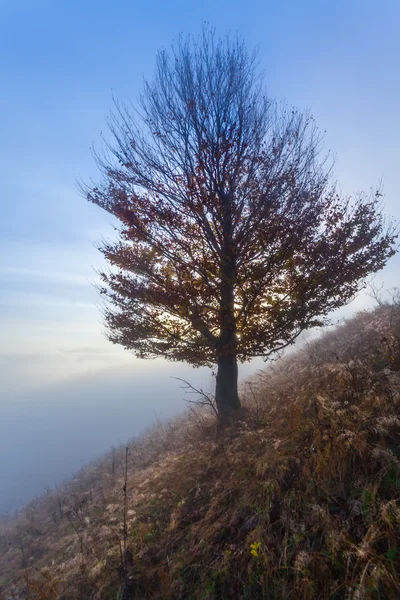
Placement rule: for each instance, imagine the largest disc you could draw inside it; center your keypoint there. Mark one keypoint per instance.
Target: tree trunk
(226, 391)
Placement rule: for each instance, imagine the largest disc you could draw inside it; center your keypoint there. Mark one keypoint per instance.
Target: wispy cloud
(16, 273)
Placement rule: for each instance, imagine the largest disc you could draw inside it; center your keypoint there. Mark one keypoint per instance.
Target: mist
(49, 433)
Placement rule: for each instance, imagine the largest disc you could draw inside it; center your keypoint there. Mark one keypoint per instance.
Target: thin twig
(208, 399)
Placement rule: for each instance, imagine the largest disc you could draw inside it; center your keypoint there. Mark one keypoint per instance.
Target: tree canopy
(233, 237)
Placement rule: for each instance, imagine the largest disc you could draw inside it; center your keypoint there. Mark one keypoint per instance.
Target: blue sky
(60, 63)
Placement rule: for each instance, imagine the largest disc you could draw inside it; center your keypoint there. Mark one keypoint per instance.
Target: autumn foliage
(233, 240)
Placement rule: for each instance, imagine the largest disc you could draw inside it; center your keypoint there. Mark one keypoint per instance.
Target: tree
(233, 239)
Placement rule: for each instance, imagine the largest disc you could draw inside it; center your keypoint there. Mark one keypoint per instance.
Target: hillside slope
(298, 498)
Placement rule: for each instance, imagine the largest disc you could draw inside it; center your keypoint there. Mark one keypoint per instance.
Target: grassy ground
(299, 498)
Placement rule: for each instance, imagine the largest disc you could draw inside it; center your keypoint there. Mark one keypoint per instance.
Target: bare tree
(233, 240)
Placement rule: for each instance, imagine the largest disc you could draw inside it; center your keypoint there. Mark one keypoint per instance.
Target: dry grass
(298, 499)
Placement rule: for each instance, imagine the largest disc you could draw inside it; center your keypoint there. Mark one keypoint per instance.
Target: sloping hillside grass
(298, 498)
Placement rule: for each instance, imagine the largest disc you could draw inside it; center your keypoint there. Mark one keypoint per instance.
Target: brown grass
(298, 499)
